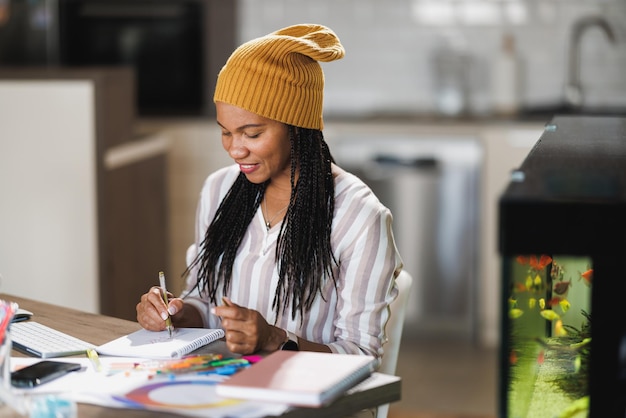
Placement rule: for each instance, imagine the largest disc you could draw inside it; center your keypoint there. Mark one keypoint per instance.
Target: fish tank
(562, 241)
(549, 335)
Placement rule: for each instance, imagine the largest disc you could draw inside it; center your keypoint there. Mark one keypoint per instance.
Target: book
(299, 378)
(159, 344)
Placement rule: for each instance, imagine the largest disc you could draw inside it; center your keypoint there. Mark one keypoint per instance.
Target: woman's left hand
(246, 330)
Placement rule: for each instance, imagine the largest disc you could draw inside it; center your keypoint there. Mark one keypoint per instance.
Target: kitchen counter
(411, 117)
(541, 113)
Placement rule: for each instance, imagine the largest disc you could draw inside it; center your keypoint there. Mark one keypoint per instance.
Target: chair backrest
(395, 324)
(394, 332)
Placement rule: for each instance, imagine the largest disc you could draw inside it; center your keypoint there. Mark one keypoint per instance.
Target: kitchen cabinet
(84, 201)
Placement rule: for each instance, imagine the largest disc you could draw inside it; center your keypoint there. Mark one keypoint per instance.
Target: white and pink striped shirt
(351, 319)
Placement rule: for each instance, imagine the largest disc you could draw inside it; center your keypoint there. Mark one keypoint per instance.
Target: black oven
(162, 40)
(176, 47)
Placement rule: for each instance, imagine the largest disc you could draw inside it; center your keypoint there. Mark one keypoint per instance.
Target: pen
(168, 321)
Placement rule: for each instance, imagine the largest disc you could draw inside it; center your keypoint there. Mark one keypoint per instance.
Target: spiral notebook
(159, 345)
(300, 378)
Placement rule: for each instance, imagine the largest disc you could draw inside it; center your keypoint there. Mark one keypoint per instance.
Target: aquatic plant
(577, 350)
(585, 328)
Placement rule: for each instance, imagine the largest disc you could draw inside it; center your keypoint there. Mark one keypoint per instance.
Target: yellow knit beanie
(278, 76)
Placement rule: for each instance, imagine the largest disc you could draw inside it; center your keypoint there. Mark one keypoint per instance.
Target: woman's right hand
(152, 310)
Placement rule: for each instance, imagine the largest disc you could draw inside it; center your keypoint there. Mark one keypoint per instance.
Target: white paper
(187, 394)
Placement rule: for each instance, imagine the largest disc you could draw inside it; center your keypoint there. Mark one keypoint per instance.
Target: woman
(291, 251)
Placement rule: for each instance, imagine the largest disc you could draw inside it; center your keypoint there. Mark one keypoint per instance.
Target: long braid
(303, 250)
(224, 235)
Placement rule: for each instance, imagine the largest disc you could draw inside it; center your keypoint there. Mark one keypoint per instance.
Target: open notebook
(159, 345)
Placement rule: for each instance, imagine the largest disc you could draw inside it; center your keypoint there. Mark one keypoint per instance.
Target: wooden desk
(99, 329)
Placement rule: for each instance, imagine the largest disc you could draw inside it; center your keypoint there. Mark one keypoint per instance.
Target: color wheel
(188, 394)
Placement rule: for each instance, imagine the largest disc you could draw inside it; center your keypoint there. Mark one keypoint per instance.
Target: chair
(394, 332)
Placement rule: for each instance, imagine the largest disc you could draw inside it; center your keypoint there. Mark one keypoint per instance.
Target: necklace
(268, 223)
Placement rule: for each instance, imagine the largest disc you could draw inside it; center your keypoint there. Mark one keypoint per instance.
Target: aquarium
(549, 336)
(562, 242)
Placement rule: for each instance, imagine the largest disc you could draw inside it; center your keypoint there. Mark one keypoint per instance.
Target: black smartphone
(41, 372)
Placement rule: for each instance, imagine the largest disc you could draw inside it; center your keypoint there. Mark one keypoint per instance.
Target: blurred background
(452, 57)
(435, 102)
(407, 55)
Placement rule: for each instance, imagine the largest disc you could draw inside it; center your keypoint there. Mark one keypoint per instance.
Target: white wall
(389, 48)
(48, 224)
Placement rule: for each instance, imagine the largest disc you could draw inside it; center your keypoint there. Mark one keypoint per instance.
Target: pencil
(168, 321)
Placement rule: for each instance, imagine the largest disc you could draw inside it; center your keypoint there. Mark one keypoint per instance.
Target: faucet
(573, 90)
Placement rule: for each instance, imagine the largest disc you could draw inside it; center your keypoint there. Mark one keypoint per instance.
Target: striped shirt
(352, 318)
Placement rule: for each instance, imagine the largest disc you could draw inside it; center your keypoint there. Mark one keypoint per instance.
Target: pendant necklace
(268, 223)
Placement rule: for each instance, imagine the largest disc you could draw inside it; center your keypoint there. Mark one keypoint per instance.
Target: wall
(389, 45)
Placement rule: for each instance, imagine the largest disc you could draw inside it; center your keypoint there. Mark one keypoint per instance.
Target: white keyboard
(45, 342)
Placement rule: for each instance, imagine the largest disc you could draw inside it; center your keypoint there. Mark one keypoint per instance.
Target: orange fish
(587, 276)
(540, 264)
(520, 287)
(554, 301)
(533, 262)
(541, 357)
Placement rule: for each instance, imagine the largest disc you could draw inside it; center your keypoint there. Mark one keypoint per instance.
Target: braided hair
(303, 251)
